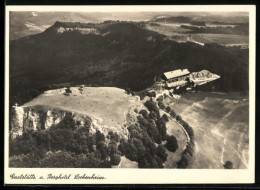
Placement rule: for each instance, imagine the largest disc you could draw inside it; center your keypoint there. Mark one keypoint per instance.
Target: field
(175, 32)
(107, 106)
(220, 123)
(224, 39)
(172, 30)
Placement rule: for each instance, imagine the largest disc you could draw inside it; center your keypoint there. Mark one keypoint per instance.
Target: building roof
(176, 73)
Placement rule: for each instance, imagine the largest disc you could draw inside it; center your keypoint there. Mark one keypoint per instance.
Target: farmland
(176, 32)
(223, 39)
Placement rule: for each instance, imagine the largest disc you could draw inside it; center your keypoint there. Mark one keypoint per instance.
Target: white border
(142, 176)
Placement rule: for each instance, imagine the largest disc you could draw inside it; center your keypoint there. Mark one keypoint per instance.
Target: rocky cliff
(25, 119)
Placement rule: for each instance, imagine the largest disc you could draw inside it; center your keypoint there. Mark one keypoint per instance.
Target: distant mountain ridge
(124, 55)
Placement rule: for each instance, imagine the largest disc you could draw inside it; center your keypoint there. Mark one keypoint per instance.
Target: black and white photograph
(162, 88)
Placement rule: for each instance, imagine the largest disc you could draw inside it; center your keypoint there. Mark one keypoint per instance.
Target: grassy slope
(220, 123)
(107, 105)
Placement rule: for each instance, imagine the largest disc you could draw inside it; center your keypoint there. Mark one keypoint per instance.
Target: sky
(28, 23)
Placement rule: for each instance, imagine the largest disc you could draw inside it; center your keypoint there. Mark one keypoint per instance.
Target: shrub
(172, 143)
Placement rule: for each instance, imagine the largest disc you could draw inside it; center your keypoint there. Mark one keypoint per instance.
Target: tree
(184, 162)
(173, 114)
(130, 151)
(151, 105)
(153, 133)
(121, 147)
(161, 105)
(152, 115)
(172, 144)
(112, 148)
(102, 148)
(115, 159)
(87, 161)
(114, 136)
(228, 165)
(68, 91)
(58, 159)
(161, 152)
(139, 146)
(161, 126)
(151, 94)
(168, 109)
(165, 117)
(99, 137)
(160, 98)
(128, 90)
(68, 121)
(144, 113)
(148, 161)
(178, 118)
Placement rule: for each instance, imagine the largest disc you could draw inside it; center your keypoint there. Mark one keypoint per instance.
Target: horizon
(32, 22)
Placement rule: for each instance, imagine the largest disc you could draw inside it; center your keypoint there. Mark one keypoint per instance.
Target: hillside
(221, 127)
(98, 127)
(120, 54)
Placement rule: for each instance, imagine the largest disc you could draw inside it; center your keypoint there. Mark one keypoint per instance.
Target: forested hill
(120, 54)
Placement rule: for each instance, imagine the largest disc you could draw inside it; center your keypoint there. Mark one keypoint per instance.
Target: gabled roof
(176, 73)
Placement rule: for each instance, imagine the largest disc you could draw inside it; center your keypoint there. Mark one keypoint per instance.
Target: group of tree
(152, 107)
(149, 131)
(172, 143)
(142, 94)
(65, 145)
(188, 151)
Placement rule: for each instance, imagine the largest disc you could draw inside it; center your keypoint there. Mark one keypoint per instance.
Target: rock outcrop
(25, 119)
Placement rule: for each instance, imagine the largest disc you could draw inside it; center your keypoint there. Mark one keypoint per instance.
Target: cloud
(34, 27)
